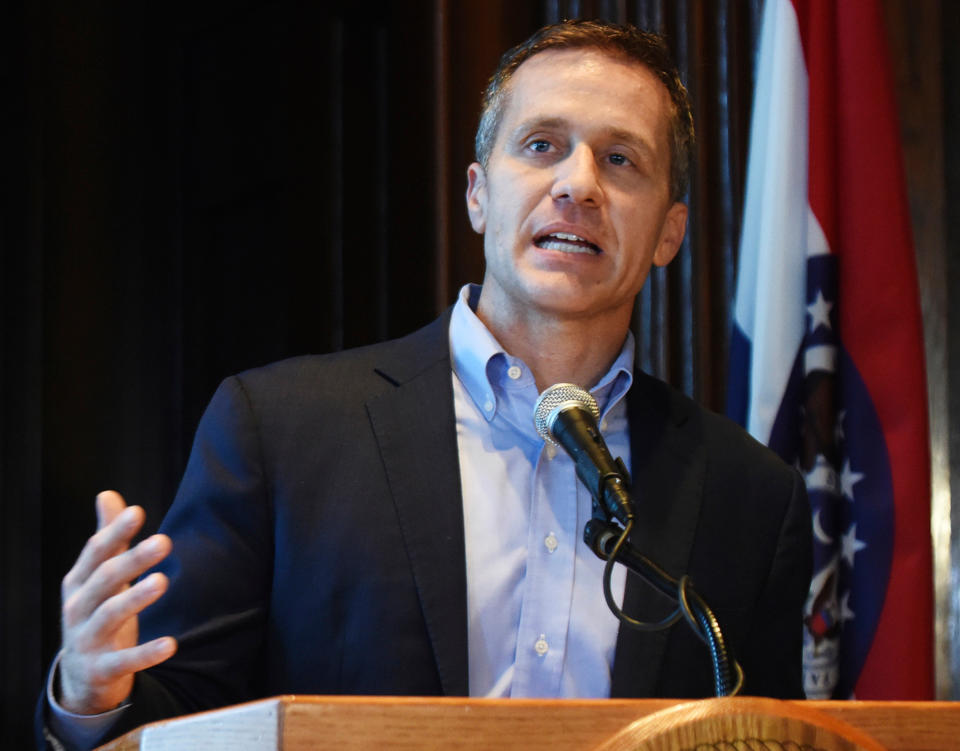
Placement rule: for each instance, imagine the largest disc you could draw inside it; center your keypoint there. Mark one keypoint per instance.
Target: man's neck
(558, 349)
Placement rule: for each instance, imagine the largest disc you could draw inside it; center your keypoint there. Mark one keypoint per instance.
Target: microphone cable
(727, 673)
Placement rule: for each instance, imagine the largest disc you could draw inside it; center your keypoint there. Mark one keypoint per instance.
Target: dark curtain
(191, 190)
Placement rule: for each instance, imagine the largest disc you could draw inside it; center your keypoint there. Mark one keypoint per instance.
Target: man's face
(575, 203)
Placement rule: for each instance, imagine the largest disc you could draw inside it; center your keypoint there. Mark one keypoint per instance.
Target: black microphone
(566, 416)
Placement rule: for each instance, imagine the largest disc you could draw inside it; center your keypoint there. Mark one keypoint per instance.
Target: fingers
(100, 625)
(109, 581)
(115, 611)
(108, 666)
(119, 526)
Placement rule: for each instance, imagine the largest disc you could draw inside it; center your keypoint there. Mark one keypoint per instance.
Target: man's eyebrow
(536, 123)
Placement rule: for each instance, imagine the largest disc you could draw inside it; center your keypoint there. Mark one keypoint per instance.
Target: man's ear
(477, 197)
(671, 235)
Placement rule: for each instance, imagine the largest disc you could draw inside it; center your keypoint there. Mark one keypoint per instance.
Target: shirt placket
(547, 598)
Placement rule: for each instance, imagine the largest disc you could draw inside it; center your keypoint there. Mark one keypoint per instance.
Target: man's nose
(577, 178)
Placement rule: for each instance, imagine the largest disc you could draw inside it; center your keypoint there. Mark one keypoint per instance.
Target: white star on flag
(819, 312)
(849, 478)
(851, 545)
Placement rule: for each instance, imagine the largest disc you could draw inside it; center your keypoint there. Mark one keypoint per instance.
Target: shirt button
(551, 542)
(488, 406)
(541, 647)
(551, 451)
(514, 372)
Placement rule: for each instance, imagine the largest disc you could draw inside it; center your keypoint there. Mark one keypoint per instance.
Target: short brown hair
(628, 42)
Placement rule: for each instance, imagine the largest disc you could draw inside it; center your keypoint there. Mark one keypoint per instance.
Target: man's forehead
(586, 72)
(573, 68)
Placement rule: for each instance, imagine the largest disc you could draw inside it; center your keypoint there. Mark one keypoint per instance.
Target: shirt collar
(472, 347)
(616, 382)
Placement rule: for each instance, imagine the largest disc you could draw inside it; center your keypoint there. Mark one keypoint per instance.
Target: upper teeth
(567, 236)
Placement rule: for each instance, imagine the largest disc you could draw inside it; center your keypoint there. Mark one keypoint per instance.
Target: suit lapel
(668, 470)
(415, 428)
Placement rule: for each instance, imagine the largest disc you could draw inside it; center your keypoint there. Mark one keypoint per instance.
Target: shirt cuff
(78, 730)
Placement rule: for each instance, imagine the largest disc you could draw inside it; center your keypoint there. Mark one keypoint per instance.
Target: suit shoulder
(362, 371)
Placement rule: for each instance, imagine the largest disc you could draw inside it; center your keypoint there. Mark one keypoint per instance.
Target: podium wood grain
(299, 723)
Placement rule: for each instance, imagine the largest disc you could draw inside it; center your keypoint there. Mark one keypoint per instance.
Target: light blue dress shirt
(538, 624)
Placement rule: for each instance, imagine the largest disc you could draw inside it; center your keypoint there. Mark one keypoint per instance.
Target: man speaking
(387, 520)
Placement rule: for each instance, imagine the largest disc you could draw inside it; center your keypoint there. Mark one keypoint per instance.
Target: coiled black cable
(727, 673)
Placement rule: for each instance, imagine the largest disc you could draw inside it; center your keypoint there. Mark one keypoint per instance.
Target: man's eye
(540, 146)
(619, 159)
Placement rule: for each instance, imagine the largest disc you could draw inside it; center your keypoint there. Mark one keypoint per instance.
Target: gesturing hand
(100, 608)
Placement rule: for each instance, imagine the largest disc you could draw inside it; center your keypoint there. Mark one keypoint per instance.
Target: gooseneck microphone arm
(610, 543)
(566, 415)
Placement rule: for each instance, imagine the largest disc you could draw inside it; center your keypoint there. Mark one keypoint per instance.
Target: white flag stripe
(771, 285)
(820, 357)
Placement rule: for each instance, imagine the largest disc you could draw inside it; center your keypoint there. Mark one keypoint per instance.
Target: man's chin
(538, 293)
(565, 301)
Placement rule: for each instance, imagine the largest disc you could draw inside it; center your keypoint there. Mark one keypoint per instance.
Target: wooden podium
(302, 723)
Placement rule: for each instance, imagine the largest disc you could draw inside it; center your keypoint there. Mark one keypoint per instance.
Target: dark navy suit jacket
(319, 548)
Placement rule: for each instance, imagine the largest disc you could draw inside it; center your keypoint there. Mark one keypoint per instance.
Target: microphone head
(557, 398)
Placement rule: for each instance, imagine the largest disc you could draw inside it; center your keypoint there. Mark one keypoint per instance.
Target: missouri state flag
(827, 360)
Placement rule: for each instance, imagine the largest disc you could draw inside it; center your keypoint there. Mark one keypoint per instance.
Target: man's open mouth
(566, 243)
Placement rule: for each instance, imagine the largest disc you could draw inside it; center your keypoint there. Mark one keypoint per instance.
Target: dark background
(191, 190)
